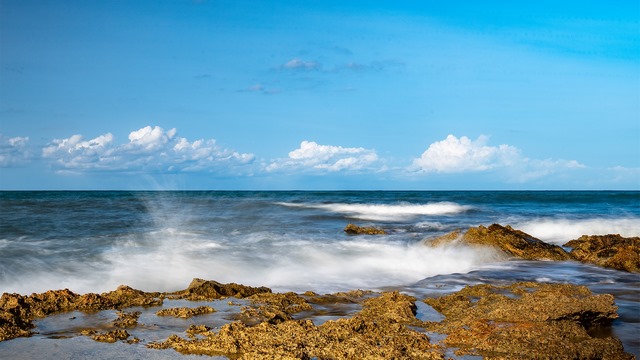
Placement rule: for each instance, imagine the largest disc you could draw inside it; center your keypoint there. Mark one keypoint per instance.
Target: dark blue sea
(158, 241)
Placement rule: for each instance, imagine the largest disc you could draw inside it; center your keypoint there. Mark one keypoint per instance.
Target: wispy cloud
(14, 151)
(463, 155)
(149, 149)
(312, 156)
(259, 88)
(298, 64)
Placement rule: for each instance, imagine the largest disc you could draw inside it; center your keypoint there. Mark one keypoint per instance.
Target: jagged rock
(612, 251)
(379, 331)
(186, 312)
(353, 229)
(273, 308)
(528, 321)
(509, 240)
(127, 319)
(200, 289)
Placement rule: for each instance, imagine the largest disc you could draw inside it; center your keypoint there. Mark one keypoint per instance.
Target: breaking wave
(386, 212)
(560, 231)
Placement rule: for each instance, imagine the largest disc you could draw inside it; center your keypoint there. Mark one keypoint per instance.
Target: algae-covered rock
(612, 251)
(509, 240)
(353, 229)
(127, 319)
(380, 331)
(111, 336)
(200, 289)
(186, 312)
(527, 321)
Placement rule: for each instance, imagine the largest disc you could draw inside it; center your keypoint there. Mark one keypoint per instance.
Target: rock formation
(612, 251)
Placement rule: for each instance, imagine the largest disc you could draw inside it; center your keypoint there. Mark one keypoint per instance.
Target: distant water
(159, 241)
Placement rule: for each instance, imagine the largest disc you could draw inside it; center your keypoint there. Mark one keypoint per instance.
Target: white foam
(386, 212)
(169, 261)
(559, 231)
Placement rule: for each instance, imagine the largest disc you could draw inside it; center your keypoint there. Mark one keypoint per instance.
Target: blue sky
(319, 95)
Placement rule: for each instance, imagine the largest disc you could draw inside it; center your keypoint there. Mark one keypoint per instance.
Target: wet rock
(612, 251)
(380, 331)
(353, 229)
(527, 321)
(200, 289)
(197, 329)
(111, 336)
(273, 308)
(186, 312)
(18, 311)
(509, 240)
(127, 319)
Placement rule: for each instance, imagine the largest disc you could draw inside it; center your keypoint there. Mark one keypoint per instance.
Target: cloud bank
(148, 149)
(311, 155)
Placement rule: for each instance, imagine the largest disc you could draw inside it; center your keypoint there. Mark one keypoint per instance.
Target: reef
(353, 229)
(528, 320)
(200, 289)
(381, 330)
(510, 241)
(612, 251)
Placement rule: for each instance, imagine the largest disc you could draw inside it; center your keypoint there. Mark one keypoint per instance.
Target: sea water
(294, 241)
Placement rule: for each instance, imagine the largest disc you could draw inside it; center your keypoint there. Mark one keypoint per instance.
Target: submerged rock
(353, 229)
(509, 240)
(380, 331)
(612, 251)
(528, 321)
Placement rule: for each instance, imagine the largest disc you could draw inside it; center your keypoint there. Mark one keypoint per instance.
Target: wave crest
(386, 212)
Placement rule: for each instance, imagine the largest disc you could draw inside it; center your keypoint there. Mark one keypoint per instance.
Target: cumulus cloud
(149, 148)
(460, 155)
(331, 158)
(13, 151)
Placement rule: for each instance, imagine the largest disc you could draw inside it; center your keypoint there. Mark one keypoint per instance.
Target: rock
(612, 251)
(200, 289)
(111, 336)
(127, 319)
(380, 331)
(510, 241)
(352, 229)
(273, 308)
(186, 312)
(528, 321)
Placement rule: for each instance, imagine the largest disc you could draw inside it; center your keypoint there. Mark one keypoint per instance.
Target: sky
(319, 95)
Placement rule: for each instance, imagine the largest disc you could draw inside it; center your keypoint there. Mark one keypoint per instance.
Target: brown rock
(353, 229)
(127, 319)
(612, 251)
(111, 336)
(379, 331)
(200, 289)
(528, 321)
(509, 240)
(186, 312)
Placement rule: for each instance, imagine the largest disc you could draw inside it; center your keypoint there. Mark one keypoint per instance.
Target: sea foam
(559, 231)
(386, 212)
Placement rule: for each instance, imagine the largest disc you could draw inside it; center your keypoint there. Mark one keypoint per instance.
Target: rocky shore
(523, 320)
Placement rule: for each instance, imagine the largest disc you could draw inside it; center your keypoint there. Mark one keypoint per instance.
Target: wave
(169, 260)
(386, 212)
(560, 231)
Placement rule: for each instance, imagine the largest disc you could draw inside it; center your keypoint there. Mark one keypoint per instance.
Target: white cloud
(326, 157)
(149, 148)
(461, 155)
(454, 155)
(299, 64)
(13, 151)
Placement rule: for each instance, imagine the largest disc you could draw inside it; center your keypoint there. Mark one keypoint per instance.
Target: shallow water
(293, 241)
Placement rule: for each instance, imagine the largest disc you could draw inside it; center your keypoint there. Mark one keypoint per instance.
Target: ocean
(94, 241)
